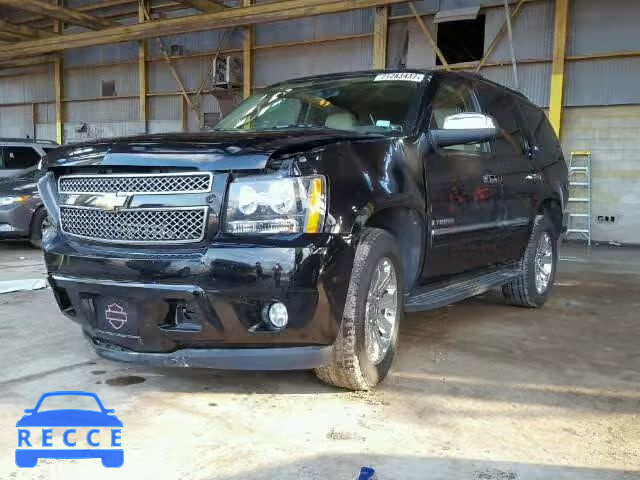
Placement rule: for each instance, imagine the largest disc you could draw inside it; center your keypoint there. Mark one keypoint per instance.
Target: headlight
(10, 200)
(263, 204)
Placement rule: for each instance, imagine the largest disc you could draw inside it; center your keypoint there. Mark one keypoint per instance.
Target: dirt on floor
(479, 391)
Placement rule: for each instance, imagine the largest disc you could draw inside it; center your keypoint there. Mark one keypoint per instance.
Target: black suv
(297, 233)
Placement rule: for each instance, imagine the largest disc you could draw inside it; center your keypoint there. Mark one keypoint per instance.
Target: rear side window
(18, 158)
(452, 99)
(541, 129)
(510, 140)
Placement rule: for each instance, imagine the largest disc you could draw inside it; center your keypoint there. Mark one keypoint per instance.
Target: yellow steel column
(247, 45)
(58, 74)
(143, 5)
(380, 30)
(557, 66)
(58, 82)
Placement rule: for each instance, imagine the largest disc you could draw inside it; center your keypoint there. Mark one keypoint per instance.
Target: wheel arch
(407, 227)
(35, 213)
(552, 209)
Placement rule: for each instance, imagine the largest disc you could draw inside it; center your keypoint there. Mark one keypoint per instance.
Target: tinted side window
(451, 99)
(17, 158)
(502, 107)
(541, 129)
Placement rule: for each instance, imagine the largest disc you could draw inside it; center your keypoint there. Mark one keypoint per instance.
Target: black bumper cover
(287, 358)
(224, 290)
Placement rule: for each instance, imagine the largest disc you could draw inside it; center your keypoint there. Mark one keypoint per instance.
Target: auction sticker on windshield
(402, 76)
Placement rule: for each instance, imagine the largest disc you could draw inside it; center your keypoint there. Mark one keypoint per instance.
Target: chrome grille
(141, 225)
(153, 183)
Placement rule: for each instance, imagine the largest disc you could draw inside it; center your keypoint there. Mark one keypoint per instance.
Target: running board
(445, 293)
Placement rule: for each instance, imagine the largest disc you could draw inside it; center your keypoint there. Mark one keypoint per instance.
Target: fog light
(277, 316)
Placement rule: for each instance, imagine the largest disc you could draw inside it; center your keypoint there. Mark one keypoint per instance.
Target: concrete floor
(480, 391)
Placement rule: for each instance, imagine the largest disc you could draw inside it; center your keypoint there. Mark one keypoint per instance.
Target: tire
(351, 366)
(523, 291)
(37, 224)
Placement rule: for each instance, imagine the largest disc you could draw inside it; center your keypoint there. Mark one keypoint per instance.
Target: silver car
(22, 214)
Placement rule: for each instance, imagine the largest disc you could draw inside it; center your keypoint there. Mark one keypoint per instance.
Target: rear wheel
(39, 223)
(538, 266)
(366, 343)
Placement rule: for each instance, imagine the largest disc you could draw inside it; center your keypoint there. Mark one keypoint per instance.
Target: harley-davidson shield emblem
(115, 315)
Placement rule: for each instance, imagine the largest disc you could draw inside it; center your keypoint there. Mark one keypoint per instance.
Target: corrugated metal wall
(611, 81)
(588, 82)
(278, 64)
(87, 82)
(24, 93)
(532, 32)
(533, 39)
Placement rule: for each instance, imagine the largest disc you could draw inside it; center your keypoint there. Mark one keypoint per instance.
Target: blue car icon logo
(102, 428)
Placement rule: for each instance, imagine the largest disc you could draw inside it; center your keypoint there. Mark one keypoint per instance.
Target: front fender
(366, 177)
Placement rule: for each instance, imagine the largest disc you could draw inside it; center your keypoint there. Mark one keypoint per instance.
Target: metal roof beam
(22, 31)
(232, 17)
(83, 8)
(205, 5)
(24, 62)
(10, 37)
(56, 12)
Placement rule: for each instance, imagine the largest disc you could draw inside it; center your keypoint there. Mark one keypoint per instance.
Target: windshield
(378, 103)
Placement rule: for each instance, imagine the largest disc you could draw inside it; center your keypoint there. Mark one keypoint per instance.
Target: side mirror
(28, 410)
(463, 128)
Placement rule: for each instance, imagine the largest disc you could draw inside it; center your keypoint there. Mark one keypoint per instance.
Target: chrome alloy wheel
(543, 262)
(381, 311)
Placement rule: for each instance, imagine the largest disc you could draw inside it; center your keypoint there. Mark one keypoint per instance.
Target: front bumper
(9, 231)
(276, 358)
(204, 309)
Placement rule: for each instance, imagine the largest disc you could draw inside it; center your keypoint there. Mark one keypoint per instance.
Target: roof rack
(27, 140)
(479, 76)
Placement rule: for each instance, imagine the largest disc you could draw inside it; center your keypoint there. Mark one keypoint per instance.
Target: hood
(23, 183)
(8, 173)
(206, 151)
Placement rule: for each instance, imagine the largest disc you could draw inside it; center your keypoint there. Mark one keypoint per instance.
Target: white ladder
(579, 202)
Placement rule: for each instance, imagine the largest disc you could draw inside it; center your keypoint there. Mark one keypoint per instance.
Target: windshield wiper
(277, 127)
(302, 125)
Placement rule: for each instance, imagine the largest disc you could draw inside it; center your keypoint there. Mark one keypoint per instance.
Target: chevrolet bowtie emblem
(110, 201)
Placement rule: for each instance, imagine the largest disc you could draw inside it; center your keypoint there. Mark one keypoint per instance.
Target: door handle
(533, 178)
(490, 179)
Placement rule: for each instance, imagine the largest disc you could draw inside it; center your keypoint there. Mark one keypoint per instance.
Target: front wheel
(538, 266)
(367, 340)
(39, 223)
